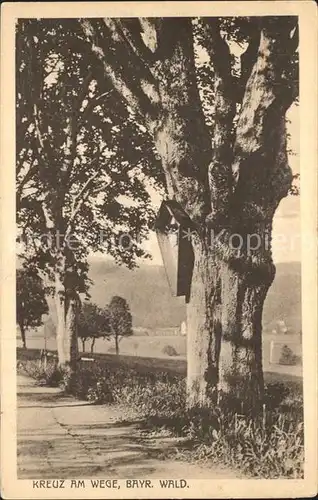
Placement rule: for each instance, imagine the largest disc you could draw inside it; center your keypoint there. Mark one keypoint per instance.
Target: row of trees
(104, 103)
(112, 321)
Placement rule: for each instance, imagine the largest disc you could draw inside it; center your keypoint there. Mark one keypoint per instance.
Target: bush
(169, 350)
(275, 394)
(101, 393)
(50, 375)
(287, 356)
(159, 403)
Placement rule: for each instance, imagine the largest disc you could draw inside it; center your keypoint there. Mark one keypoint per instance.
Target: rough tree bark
(230, 184)
(116, 344)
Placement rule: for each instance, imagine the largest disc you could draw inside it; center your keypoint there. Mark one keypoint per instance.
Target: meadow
(155, 346)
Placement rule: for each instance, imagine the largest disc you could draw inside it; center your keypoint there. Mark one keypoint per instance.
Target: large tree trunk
(248, 175)
(203, 326)
(241, 374)
(224, 317)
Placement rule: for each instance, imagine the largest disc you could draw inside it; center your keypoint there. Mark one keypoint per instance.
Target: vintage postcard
(159, 250)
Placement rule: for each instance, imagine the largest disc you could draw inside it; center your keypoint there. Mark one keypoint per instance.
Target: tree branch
(37, 127)
(83, 193)
(150, 28)
(111, 51)
(260, 145)
(217, 48)
(180, 133)
(130, 30)
(72, 131)
(81, 95)
(224, 111)
(248, 57)
(32, 169)
(47, 216)
(77, 202)
(133, 65)
(94, 102)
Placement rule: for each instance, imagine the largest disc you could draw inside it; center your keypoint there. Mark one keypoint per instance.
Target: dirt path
(60, 437)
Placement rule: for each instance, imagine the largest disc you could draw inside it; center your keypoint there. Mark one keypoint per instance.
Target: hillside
(155, 311)
(152, 305)
(146, 290)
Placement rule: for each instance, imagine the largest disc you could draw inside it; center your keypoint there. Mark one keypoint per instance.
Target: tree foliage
(93, 323)
(82, 161)
(31, 303)
(120, 319)
(81, 156)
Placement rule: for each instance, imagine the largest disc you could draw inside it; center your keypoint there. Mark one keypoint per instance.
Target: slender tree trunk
(117, 344)
(60, 320)
(83, 345)
(22, 330)
(92, 344)
(67, 306)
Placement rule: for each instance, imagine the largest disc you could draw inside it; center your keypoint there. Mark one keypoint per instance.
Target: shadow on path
(60, 437)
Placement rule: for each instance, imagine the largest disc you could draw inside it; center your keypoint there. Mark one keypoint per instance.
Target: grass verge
(272, 448)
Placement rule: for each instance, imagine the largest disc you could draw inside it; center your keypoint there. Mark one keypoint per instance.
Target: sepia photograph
(159, 272)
